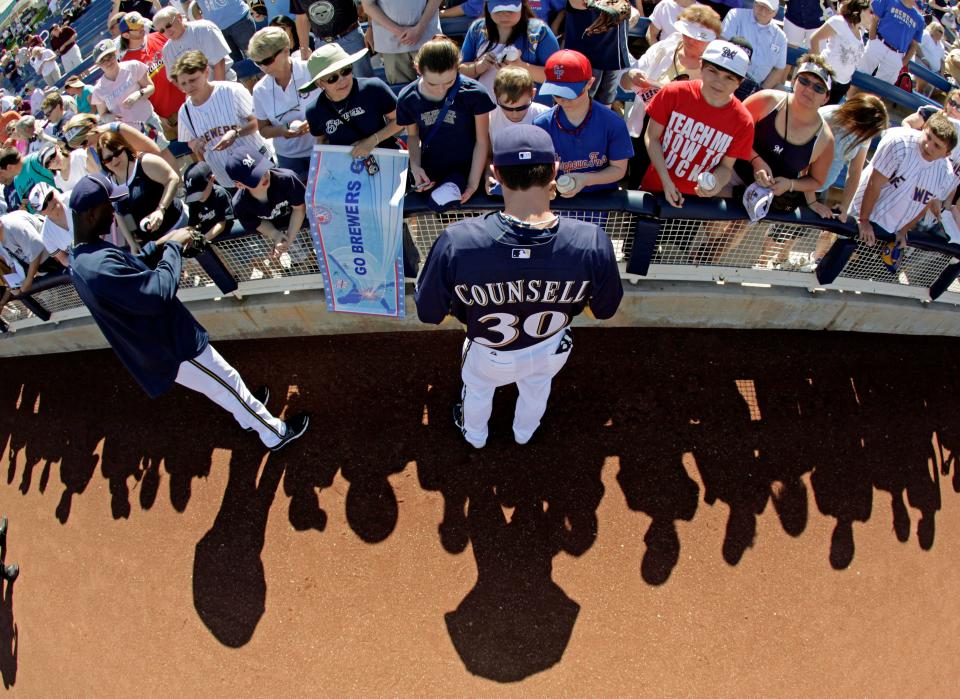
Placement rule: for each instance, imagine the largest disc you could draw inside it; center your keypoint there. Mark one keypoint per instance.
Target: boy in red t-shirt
(698, 129)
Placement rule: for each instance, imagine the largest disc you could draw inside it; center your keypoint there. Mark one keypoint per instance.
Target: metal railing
(706, 241)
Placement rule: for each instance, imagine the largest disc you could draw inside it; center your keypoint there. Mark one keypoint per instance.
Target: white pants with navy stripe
(211, 375)
(532, 369)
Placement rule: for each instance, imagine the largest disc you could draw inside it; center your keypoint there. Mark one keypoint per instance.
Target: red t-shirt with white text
(696, 135)
(167, 98)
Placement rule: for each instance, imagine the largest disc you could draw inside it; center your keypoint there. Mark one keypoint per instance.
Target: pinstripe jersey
(913, 181)
(227, 108)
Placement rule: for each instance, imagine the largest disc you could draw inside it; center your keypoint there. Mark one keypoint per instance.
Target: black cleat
(296, 426)
(262, 394)
(11, 572)
(458, 417)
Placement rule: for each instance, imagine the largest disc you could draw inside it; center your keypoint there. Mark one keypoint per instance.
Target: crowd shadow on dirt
(695, 419)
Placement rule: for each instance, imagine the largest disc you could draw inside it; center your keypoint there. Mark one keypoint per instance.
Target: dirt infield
(702, 513)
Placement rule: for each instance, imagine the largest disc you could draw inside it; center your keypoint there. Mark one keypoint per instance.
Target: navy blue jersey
(514, 287)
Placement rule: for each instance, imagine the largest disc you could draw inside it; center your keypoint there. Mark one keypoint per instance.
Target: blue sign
(355, 208)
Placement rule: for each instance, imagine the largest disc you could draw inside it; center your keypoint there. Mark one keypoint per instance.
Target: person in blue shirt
(133, 299)
(607, 52)
(507, 35)
(592, 140)
(544, 10)
(768, 58)
(447, 120)
(234, 20)
(895, 33)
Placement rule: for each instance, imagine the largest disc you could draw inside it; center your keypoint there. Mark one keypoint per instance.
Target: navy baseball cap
(523, 144)
(248, 168)
(91, 191)
(195, 180)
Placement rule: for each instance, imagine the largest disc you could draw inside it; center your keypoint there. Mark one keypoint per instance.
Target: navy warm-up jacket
(134, 300)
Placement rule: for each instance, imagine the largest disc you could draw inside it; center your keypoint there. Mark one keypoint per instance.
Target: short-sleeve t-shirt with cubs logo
(913, 181)
(696, 135)
(328, 18)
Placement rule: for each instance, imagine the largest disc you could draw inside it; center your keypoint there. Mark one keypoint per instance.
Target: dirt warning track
(703, 513)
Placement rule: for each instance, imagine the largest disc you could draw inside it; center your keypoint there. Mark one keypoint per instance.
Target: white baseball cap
(757, 200)
(694, 30)
(727, 56)
(505, 7)
(772, 4)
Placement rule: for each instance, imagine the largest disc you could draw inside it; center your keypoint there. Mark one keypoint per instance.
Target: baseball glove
(610, 14)
(196, 245)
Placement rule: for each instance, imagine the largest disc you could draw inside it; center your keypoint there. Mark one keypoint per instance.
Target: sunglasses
(269, 59)
(106, 157)
(521, 108)
(953, 103)
(342, 73)
(817, 87)
(164, 28)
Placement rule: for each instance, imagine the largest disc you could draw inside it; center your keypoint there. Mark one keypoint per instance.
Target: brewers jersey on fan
(514, 286)
(913, 181)
(228, 107)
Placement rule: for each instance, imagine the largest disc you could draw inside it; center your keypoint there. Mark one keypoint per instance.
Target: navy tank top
(784, 158)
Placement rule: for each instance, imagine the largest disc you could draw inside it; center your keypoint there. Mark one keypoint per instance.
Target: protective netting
(767, 248)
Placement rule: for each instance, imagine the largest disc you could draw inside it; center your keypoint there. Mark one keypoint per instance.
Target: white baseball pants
(532, 369)
(881, 61)
(211, 375)
(71, 58)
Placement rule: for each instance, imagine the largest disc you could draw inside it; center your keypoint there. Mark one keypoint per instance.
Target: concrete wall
(646, 304)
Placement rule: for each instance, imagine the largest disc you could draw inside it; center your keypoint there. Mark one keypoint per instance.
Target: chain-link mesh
(763, 246)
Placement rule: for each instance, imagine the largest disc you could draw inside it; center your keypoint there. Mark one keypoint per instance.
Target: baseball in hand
(707, 181)
(512, 54)
(296, 125)
(565, 183)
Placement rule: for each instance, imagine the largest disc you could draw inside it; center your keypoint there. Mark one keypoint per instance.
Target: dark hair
(939, 125)
(285, 22)
(744, 44)
(116, 144)
(492, 32)
(520, 178)
(9, 156)
(852, 9)
(438, 55)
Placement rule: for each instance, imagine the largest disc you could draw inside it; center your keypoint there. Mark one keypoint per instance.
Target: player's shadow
(229, 586)
(518, 507)
(9, 637)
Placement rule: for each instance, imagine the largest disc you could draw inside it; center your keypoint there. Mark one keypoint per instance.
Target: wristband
(115, 126)
(753, 158)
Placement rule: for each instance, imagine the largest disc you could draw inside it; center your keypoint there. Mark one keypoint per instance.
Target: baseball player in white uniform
(217, 120)
(909, 174)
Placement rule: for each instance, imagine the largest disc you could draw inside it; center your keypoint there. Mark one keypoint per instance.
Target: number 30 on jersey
(539, 326)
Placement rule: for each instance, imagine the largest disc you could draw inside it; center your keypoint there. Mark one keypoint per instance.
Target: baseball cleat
(10, 572)
(262, 394)
(3, 528)
(458, 421)
(296, 426)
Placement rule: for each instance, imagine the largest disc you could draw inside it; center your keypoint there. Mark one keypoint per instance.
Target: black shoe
(458, 417)
(296, 426)
(3, 528)
(262, 394)
(11, 572)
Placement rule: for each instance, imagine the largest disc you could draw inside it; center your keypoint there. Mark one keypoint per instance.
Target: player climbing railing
(706, 241)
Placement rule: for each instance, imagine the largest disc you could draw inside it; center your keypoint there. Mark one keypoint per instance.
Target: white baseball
(296, 125)
(565, 183)
(707, 181)
(512, 53)
(143, 223)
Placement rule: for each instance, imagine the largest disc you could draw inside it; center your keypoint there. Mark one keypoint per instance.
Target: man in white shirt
(201, 35)
(397, 29)
(57, 232)
(909, 174)
(931, 52)
(20, 236)
(768, 64)
(44, 62)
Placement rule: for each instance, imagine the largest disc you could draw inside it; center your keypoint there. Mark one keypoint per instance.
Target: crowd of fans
(704, 104)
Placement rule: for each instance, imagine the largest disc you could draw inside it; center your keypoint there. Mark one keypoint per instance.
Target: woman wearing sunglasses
(358, 112)
(83, 131)
(151, 208)
(792, 144)
(277, 103)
